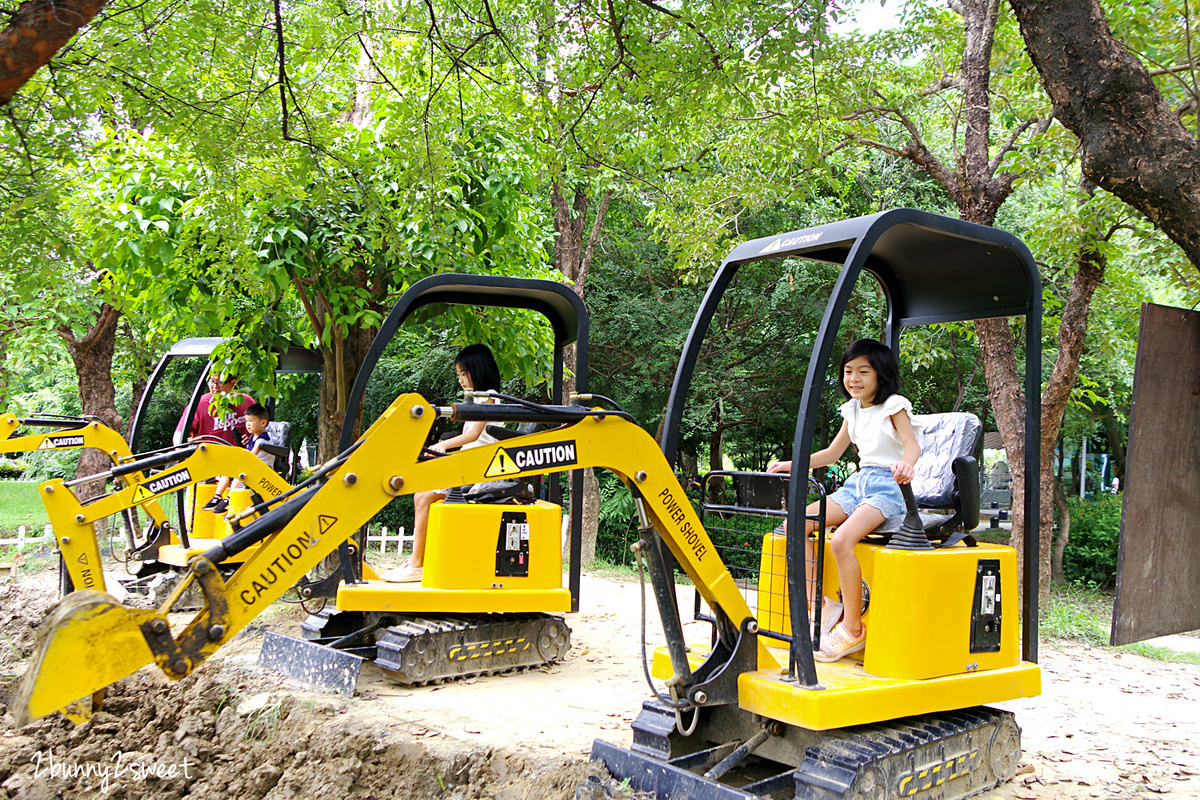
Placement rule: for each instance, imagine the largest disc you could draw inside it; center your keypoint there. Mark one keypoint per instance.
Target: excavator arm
(73, 433)
(91, 640)
(74, 520)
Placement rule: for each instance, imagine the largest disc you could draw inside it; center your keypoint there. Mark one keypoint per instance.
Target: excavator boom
(293, 537)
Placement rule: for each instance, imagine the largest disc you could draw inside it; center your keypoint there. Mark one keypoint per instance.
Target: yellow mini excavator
(148, 479)
(753, 715)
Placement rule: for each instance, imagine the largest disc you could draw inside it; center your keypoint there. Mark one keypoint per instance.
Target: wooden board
(1158, 561)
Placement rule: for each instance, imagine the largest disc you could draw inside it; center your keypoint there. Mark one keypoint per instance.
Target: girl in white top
(476, 368)
(878, 422)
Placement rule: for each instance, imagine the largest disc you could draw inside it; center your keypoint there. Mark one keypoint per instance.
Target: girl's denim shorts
(874, 486)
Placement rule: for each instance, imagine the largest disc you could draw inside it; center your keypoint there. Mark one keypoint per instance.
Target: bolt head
(350, 479)
(417, 412)
(201, 567)
(215, 632)
(158, 626)
(700, 698)
(179, 666)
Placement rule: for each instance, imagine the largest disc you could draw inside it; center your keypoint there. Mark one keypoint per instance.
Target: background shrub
(1091, 555)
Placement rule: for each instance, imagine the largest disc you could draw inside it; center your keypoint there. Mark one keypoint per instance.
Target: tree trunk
(92, 355)
(715, 448)
(1090, 267)
(1116, 446)
(3, 371)
(141, 376)
(1132, 143)
(37, 31)
(573, 255)
(340, 364)
(1064, 530)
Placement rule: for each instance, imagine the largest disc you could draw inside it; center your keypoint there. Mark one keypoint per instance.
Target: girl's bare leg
(865, 519)
(834, 515)
(421, 504)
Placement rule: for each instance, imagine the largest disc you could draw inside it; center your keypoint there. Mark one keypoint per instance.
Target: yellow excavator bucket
(87, 641)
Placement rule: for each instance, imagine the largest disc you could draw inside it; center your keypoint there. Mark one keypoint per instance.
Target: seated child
(877, 422)
(257, 419)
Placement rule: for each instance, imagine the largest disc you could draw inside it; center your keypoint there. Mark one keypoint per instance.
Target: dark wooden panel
(1158, 563)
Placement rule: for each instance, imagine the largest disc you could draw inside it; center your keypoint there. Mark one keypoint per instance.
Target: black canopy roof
(932, 268)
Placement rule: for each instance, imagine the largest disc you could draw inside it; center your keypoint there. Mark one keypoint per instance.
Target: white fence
(26, 538)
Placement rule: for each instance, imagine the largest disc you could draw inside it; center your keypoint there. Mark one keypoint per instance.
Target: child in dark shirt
(257, 419)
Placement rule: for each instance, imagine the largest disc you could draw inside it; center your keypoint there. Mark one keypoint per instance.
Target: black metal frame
(931, 269)
(568, 318)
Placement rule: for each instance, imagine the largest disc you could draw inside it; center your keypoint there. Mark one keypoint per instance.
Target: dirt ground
(1108, 725)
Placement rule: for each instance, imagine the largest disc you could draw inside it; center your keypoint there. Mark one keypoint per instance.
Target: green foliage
(618, 521)
(1091, 555)
(12, 468)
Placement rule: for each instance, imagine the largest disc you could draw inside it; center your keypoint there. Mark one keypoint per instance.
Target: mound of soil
(223, 733)
(22, 607)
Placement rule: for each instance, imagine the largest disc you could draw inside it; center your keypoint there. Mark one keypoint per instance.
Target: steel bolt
(417, 412)
(396, 483)
(80, 518)
(215, 632)
(66, 540)
(242, 477)
(752, 626)
(350, 479)
(158, 627)
(700, 698)
(179, 666)
(641, 475)
(49, 490)
(201, 567)
(306, 592)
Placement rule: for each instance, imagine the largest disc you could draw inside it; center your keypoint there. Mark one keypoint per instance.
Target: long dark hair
(882, 360)
(478, 362)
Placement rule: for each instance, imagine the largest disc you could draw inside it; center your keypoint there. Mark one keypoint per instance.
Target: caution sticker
(511, 460)
(55, 442)
(163, 483)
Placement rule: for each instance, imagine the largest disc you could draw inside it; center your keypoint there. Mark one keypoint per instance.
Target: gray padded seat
(944, 439)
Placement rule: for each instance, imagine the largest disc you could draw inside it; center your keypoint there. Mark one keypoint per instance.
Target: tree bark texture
(574, 247)
(1132, 142)
(3, 371)
(1071, 334)
(1064, 531)
(92, 355)
(340, 364)
(37, 31)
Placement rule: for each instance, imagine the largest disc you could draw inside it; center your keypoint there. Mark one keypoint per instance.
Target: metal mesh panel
(744, 514)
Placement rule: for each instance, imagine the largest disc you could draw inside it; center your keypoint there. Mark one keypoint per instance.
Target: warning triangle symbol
(502, 464)
(324, 523)
(47, 444)
(142, 493)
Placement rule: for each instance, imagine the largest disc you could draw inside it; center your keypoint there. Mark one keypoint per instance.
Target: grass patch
(1076, 613)
(21, 505)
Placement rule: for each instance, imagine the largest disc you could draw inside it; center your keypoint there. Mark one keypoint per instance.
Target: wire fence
(380, 538)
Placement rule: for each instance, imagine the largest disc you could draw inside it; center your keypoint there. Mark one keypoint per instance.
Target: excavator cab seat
(946, 485)
(512, 490)
(280, 434)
